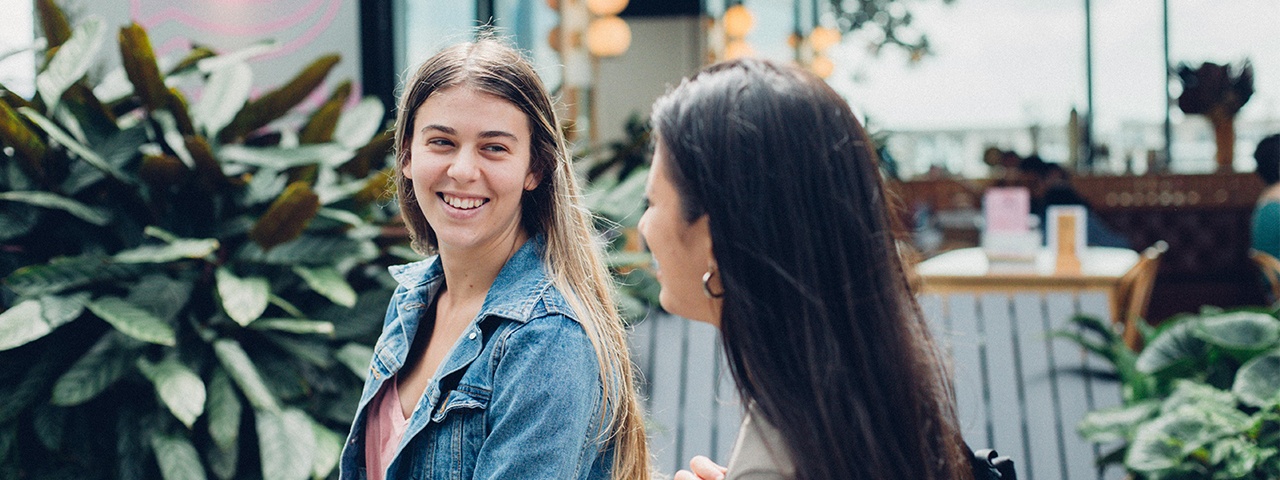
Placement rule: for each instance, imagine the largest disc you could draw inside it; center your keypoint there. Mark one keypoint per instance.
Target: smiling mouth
(462, 203)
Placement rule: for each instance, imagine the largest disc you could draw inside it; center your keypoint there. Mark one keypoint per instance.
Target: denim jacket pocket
(459, 426)
(462, 397)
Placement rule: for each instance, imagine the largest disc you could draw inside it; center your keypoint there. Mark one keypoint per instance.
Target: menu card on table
(1007, 239)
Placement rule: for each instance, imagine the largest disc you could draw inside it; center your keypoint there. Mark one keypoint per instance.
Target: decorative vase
(1224, 137)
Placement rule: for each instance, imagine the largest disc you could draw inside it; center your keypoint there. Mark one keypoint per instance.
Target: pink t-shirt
(384, 427)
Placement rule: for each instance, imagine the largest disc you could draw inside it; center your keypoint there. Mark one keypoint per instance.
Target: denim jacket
(517, 397)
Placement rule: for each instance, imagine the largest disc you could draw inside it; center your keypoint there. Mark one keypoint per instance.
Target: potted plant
(1201, 401)
(1217, 92)
(189, 288)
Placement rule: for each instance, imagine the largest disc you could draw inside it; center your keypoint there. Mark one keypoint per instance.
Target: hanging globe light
(605, 8)
(608, 37)
(738, 21)
(822, 38)
(738, 49)
(822, 66)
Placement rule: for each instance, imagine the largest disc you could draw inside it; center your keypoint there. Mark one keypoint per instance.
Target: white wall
(663, 50)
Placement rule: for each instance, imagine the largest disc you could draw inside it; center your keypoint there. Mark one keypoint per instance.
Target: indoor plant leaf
(1161, 444)
(186, 248)
(178, 387)
(160, 295)
(66, 140)
(293, 325)
(1116, 423)
(328, 450)
(319, 127)
(1173, 346)
(287, 444)
(360, 123)
(237, 363)
(100, 367)
(93, 215)
(22, 324)
(223, 410)
(281, 158)
(66, 272)
(278, 102)
(71, 61)
(133, 321)
(225, 94)
(140, 66)
(53, 22)
(1258, 381)
(287, 216)
(328, 282)
(356, 357)
(177, 458)
(29, 147)
(244, 299)
(1240, 331)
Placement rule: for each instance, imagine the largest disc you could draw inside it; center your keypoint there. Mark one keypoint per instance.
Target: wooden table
(967, 270)
(1013, 391)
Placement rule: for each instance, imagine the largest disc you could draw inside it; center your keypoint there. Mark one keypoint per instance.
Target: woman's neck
(1271, 192)
(470, 272)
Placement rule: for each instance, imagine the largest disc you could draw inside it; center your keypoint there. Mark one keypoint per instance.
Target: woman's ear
(531, 181)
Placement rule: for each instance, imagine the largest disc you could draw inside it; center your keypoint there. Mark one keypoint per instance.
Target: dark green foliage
(143, 332)
(1201, 401)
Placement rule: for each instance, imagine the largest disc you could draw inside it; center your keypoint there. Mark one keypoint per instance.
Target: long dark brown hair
(821, 332)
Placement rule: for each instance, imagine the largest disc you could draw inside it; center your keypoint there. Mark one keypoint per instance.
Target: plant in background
(1217, 92)
(1201, 401)
(615, 177)
(189, 287)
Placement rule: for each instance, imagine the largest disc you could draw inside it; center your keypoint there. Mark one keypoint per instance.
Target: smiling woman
(502, 356)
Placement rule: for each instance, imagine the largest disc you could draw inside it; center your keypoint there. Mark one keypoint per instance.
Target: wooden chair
(1270, 267)
(1133, 294)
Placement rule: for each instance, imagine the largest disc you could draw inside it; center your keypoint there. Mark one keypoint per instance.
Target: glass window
(17, 60)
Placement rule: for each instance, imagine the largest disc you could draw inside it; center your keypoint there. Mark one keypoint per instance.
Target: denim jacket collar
(508, 297)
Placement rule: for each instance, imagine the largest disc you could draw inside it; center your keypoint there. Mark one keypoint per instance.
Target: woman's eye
(495, 148)
(440, 142)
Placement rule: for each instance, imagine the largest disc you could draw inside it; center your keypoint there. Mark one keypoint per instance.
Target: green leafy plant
(616, 175)
(190, 288)
(1201, 401)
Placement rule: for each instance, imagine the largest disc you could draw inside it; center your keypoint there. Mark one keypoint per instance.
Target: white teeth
(463, 203)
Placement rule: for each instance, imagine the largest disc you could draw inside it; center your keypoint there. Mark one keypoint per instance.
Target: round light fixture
(738, 49)
(822, 38)
(608, 37)
(606, 8)
(738, 21)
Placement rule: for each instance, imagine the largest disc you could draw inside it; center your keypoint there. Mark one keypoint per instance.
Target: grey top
(759, 453)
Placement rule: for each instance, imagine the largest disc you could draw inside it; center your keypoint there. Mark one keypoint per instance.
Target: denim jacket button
(472, 336)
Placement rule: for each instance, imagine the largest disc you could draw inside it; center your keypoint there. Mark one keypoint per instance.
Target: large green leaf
(359, 124)
(244, 299)
(293, 325)
(178, 387)
(67, 272)
(100, 367)
(282, 158)
(328, 450)
(22, 324)
(58, 310)
(161, 295)
(238, 364)
(356, 357)
(93, 215)
(1161, 444)
(1116, 423)
(1258, 381)
(1240, 331)
(133, 321)
(328, 282)
(17, 220)
(225, 94)
(186, 248)
(62, 137)
(1175, 346)
(177, 458)
(71, 61)
(312, 250)
(287, 444)
(224, 410)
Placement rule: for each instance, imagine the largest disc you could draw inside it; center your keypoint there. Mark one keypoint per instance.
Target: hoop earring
(706, 285)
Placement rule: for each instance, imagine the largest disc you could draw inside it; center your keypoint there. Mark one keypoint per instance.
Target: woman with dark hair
(1266, 216)
(501, 356)
(767, 217)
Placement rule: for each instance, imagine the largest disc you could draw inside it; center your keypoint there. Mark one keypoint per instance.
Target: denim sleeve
(544, 417)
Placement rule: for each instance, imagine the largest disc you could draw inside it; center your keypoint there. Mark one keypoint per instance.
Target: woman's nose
(465, 166)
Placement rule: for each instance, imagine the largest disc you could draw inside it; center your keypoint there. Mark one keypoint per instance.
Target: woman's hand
(702, 469)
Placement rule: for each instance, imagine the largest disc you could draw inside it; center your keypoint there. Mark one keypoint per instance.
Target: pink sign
(1006, 209)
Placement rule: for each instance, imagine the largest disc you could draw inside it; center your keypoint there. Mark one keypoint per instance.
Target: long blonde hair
(573, 252)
